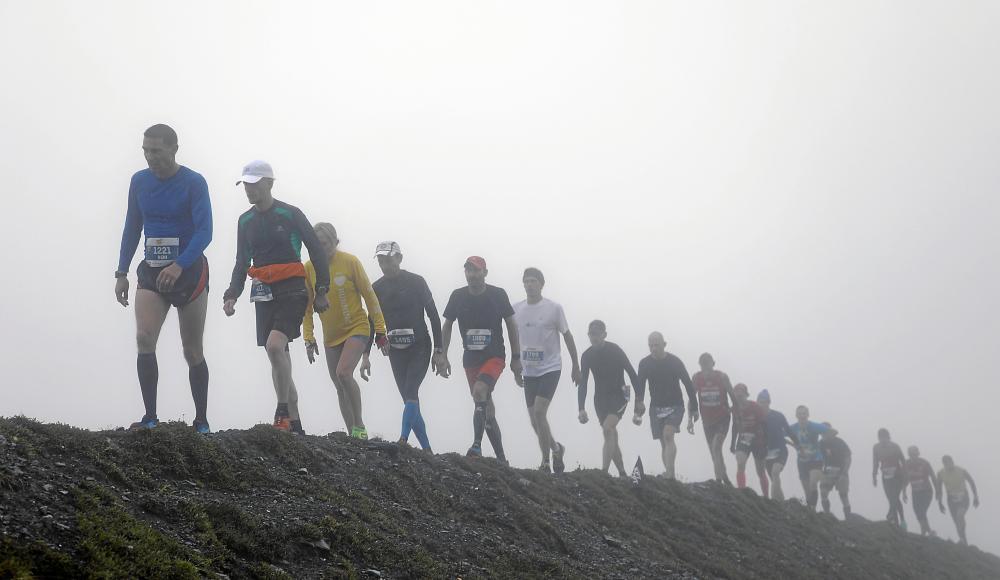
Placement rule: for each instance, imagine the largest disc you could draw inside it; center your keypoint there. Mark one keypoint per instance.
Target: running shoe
(282, 423)
(403, 442)
(144, 423)
(362, 433)
(474, 451)
(502, 460)
(202, 427)
(558, 465)
(544, 468)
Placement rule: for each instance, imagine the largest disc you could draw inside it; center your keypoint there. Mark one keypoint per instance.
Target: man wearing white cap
(268, 249)
(405, 297)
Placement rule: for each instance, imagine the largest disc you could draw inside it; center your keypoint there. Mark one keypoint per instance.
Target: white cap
(388, 249)
(255, 171)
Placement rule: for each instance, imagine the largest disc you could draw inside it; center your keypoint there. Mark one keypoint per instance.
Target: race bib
(831, 471)
(773, 454)
(401, 338)
(532, 357)
(478, 338)
(710, 398)
(746, 438)
(627, 393)
(888, 472)
(260, 292)
(808, 449)
(162, 251)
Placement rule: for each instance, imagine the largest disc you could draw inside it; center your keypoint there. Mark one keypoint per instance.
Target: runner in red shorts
(481, 311)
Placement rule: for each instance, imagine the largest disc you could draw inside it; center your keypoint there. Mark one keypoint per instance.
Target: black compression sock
(297, 426)
(198, 375)
(493, 432)
(479, 422)
(282, 410)
(149, 375)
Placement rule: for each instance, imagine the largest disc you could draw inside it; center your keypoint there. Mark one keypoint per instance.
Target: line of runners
(170, 204)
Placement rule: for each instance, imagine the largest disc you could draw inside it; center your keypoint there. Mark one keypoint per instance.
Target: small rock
(90, 479)
(48, 487)
(524, 482)
(60, 464)
(374, 573)
(614, 542)
(321, 544)
(64, 492)
(304, 471)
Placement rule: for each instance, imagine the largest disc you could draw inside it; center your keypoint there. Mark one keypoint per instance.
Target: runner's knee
(193, 354)
(145, 341)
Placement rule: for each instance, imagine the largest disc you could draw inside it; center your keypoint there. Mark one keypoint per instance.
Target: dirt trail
(261, 504)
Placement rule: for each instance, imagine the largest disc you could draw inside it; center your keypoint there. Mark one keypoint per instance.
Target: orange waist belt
(277, 272)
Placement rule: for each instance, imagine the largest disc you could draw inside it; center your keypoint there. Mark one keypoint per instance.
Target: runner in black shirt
(404, 298)
(836, 465)
(665, 372)
(609, 364)
(481, 311)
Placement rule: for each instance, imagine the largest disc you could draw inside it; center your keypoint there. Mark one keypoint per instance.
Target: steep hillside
(262, 504)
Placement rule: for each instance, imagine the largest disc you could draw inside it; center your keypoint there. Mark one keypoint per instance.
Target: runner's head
(327, 235)
(948, 462)
(534, 281)
(597, 332)
(475, 271)
(741, 392)
(802, 413)
(883, 435)
(829, 433)
(257, 179)
(159, 146)
(764, 399)
(389, 256)
(657, 344)
(913, 451)
(706, 362)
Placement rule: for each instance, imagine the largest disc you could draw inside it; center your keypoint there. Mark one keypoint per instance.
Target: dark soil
(169, 503)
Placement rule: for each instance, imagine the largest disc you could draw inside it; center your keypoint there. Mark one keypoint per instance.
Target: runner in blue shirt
(170, 204)
(777, 432)
(806, 434)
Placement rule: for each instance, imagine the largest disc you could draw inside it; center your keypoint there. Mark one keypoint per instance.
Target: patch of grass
(34, 560)
(114, 544)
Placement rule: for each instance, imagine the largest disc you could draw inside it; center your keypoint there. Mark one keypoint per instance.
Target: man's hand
(975, 502)
(518, 369)
(168, 277)
(366, 367)
(691, 421)
(121, 290)
(941, 505)
(436, 359)
(583, 416)
(575, 375)
(321, 304)
(443, 366)
(905, 499)
(640, 408)
(312, 351)
(874, 481)
(229, 307)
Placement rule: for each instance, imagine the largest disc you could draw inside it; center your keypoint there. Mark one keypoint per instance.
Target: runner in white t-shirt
(540, 321)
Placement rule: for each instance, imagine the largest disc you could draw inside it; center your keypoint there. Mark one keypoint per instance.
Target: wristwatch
(120, 274)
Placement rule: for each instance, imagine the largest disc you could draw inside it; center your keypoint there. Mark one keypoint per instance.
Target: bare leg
(191, 318)
(150, 312)
(718, 458)
(776, 492)
(281, 364)
(293, 393)
(343, 399)
(612, 452)
(540, 421)
(669, 450)
(741, 469)
(350, 356)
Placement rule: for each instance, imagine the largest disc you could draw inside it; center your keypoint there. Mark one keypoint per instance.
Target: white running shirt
(539, 327)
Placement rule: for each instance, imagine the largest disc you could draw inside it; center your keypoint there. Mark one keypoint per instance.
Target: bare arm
(571, 348)
(972, 484)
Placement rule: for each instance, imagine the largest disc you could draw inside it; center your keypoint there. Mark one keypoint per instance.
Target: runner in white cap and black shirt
(405, 297)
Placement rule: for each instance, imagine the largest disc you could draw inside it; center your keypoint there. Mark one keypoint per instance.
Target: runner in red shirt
(714, 391)
(748, 437)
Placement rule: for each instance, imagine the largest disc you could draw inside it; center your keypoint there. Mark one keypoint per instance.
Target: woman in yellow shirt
(346, 330)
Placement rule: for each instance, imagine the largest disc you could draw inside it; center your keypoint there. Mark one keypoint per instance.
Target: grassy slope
(172, 504)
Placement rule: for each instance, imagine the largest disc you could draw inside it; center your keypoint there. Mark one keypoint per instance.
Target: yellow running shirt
(953, 481)
(346, 317)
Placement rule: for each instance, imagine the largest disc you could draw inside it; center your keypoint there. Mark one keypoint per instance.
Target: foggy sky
(808, 191)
